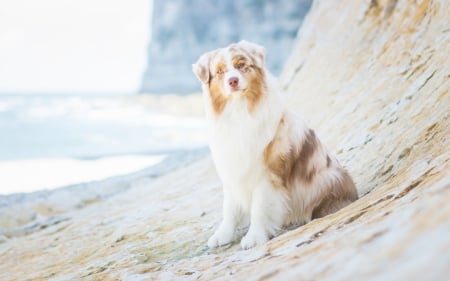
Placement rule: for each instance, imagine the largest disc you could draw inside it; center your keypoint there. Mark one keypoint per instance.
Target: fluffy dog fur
(274, 169)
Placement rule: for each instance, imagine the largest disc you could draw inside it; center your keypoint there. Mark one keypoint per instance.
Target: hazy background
(73, 46)
(73, 76)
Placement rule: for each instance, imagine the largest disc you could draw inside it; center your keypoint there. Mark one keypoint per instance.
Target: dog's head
(236, 71)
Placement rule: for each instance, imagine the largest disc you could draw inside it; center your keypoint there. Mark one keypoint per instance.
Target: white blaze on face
(233, 80)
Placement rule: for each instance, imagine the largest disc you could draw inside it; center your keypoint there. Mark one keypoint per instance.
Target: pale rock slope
(373, 79)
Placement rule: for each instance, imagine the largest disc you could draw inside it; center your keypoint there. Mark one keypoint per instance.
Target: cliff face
(183, 30)
(372, 77)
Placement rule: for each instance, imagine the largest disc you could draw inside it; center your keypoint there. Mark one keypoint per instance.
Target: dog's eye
(219, 71)
(241, 65)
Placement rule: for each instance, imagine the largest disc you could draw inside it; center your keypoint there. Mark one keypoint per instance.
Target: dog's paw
(220, 238)
(252, 239)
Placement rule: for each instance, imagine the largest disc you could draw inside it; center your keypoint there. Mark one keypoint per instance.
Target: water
(53, 141)
(90, 127)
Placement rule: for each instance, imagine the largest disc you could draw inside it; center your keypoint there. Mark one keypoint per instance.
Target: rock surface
(372, 77)
(183, 30)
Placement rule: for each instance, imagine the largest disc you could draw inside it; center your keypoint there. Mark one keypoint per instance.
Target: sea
(48, 141)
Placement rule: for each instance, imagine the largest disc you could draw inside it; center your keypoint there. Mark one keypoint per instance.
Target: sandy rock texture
(373, 79)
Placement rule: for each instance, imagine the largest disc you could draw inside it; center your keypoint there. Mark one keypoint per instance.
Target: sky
(73, 46)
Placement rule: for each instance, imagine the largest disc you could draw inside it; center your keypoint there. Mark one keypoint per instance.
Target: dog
(274, 170)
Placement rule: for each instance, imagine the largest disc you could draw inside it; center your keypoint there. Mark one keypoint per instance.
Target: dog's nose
(233, 82)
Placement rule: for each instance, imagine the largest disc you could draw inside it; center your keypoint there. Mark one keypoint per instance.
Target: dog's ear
(257, 51)
(201, 68)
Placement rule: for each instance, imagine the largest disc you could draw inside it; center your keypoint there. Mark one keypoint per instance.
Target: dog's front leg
(268, 212)
(225, 233)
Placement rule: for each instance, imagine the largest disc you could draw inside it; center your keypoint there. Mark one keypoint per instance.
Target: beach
(65, 140)
(59, 172)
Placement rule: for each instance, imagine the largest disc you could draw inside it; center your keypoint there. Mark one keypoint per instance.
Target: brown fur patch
(256, 88)
(300, 166)
(218, 100)
(237, 50)
(328, 161)
(277, 163)
(239, 59)
(244, 60)
(338, 195)
(201, 68)
(286, 167)
(309, 146)
(203, 74)
(254, 52)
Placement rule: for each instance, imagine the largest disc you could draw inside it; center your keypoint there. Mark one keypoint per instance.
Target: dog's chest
(238, 139)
